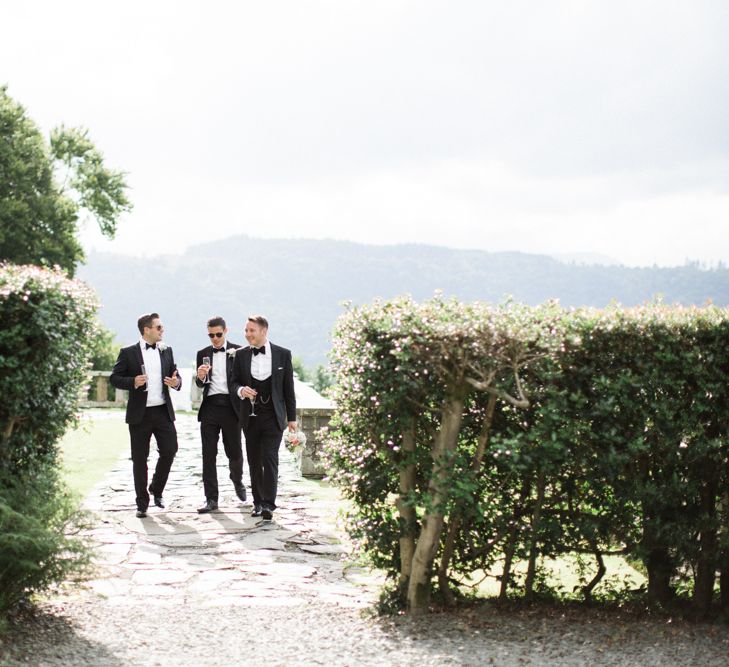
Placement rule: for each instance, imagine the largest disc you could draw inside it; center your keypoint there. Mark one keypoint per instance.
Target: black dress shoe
(159, 502)
(209, 506)
(240, 491)
(141, 514)
(256, 510)
(266, 514)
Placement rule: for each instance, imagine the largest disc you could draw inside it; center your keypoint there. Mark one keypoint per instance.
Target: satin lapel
(247, 356)
(164, 363)
(228, 361)
(138, 353)
(274, 358)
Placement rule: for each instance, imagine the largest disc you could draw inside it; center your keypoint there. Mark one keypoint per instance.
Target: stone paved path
(226, 557)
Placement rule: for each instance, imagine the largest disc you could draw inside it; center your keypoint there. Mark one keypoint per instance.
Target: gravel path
(186, 590)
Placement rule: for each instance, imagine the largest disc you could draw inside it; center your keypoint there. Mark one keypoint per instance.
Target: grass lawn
(90, 451)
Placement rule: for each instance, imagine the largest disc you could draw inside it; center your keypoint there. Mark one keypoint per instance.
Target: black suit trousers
(263, 438)
(217, 417)
(156, 422)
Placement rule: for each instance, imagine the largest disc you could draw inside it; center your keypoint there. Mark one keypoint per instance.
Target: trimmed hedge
(48, 325)
(623, 447)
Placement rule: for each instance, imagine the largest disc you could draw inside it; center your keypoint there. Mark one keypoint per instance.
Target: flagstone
(145, 557)
(111, 553)
(251, 557)
(200, 565)
(160, 576)
(323, 548)
(288, 570)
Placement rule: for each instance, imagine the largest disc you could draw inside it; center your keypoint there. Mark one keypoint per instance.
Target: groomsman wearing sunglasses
(219, 412)
(147, 370)
(264, 375)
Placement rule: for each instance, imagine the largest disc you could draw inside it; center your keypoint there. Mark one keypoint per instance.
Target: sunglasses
(218, 334)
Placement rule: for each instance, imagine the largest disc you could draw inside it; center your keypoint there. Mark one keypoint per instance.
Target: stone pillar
(310, 421)
(102, 388)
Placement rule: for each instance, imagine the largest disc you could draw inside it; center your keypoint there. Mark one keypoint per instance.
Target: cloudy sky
(550, 127)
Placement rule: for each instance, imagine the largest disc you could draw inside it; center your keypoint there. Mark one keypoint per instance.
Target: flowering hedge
(470, 437)
(47, 327)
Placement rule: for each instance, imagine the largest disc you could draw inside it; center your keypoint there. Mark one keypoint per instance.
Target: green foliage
(320, 378)
(48, 328)
(39, 217)
(104, 351)
(623, 448)
(299, 369)
(39, 536)
(323, 379)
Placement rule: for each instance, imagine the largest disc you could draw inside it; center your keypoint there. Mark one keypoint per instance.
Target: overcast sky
(548, 127)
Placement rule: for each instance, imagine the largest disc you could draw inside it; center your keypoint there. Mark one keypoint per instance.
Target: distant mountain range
(300, 286)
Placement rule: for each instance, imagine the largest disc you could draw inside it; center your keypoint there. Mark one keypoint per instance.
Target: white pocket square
(280, 368)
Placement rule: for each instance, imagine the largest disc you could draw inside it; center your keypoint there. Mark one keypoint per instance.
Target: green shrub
(39, 543)
(48, 325)
(623, 447)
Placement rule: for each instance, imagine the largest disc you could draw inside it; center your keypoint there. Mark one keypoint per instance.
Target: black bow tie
(153, 346)
(259, 350)
(218, 349)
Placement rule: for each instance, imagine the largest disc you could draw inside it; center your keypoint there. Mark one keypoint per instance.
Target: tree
(38, 216)
(104, 350)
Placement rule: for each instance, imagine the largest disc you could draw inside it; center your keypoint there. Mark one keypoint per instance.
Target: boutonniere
(231, 352)
(161, 347)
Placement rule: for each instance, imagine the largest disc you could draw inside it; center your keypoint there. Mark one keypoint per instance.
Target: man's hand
(173, 381)
(139, 381)
(202, 371)
(247, 392)
(292, 427)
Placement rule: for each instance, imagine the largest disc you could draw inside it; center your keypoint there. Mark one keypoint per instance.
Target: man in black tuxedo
(147, 370)
(264, 375)
(218, 412)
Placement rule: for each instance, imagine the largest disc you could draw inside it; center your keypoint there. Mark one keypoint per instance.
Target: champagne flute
(144, 372)
(206, 362)
(253, 406)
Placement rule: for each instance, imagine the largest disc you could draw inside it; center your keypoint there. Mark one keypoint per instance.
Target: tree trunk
(660, 571)
(708, 544)
(455, 523)
(601, 569)
(408, 519)
(533, 550)
(432, 523)
(510, 548)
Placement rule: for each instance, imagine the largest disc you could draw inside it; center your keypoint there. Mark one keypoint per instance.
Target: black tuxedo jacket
(282, 383)
(208, 352)
(128, 365)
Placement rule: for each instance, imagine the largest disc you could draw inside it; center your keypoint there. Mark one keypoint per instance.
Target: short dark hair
(146, 321)
(259, 319)
(216, 321)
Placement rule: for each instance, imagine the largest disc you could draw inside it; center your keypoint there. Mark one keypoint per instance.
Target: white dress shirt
(218, 373)
(153, 366)
(261, 364)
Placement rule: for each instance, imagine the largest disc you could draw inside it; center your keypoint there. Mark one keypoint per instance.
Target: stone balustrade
(100, 382)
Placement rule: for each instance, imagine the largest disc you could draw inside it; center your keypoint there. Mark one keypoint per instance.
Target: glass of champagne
(206, 362)
(144, 372)
(253, 406)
